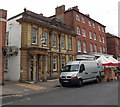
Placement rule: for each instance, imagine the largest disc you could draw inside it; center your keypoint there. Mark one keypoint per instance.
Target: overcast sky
(103, 11)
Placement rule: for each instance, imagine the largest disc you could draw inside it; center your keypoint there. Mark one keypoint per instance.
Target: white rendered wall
(14, 29)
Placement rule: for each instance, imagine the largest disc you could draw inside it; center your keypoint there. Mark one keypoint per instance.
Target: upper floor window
(79, 46)
(54, 39)
(83, 32)
(84, 47)
(104, 49)
(102, 29)
(95, 37)
(45, 36)
(103, 40)
(34, 36)
(100, 40)
(90, 34)
(78, 30)
(98, 27)
(70, 43)
(83, 20)
(62, 42)
(89, 23)
(93, 25)
(77, 17)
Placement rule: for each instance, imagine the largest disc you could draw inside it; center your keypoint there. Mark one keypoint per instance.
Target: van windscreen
(70, 68)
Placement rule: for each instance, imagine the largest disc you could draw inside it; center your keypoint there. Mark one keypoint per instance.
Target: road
(89, 94)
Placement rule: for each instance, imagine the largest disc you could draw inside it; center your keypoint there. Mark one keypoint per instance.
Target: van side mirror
(82, 68)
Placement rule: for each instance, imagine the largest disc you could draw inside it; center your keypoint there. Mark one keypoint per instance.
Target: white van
(78, 72)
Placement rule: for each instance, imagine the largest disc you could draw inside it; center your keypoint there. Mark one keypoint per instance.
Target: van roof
(73, 62)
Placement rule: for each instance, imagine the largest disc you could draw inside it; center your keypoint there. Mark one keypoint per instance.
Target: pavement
(11, 88)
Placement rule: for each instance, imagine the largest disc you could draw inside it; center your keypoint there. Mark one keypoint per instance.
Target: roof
(73, 9)
(40, 19)
(111, 36)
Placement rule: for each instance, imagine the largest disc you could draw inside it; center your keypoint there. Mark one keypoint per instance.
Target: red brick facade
(73, 19)
(113, 45)
(3, 16)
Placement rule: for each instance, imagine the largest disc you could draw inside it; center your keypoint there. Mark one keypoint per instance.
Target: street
(89, 94)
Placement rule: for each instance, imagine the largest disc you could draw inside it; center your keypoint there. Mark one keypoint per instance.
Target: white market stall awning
(113, 61)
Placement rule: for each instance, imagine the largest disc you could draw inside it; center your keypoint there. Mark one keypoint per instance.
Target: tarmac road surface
(89, 94)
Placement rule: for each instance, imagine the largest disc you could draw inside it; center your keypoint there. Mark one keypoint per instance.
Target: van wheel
(97, 79)
(80, 83)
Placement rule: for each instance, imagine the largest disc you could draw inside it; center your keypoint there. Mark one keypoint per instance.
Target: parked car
(78, 72)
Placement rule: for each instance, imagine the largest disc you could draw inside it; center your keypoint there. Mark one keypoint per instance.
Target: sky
(103, 11)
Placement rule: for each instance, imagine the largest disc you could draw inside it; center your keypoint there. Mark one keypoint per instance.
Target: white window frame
(100, 49)
(78, 30)
(90, 34)
(77, 17)
(83, 19)
(62, 42)
(55, 62)
(95, 48)
(84, 47)
(93, 25)
(83, 32)
(89, 22)
(7, 38)
(54, 40)
(102, 29)
(100, 39)
(95, 36)
(91, 47)
(99, 28)
(103, 39)
(45, 36)
(34, 36)
(63, 61)
(79, 46)
(69, 43)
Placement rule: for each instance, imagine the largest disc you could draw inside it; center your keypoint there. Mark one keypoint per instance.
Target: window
(54, 39)
(45, 36)
(100, 49)
(89, 23)
(104, 49)
(102, 29)
(95, 48)
(7, 38)
(70, 43)
(91, 47)
(83, 20)
(84, 47)
(90, 34)
(100, 40)
(54, 63)
(34, 36)
(77, 17)
(63, 62)
(62, 42)
(93, 25)
(79, 46)
(95, 37)
(103, 40)
(78, 30)
(83, 32)
(98, 27)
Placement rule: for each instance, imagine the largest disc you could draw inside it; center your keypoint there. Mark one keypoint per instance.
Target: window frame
(36, 36)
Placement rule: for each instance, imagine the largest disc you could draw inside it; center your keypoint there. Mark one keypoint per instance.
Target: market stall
(110, 65)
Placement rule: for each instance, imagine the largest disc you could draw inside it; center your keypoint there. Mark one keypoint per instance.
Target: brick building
(113, 45)
(38, 47)
(90, 37)
(3, 16)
